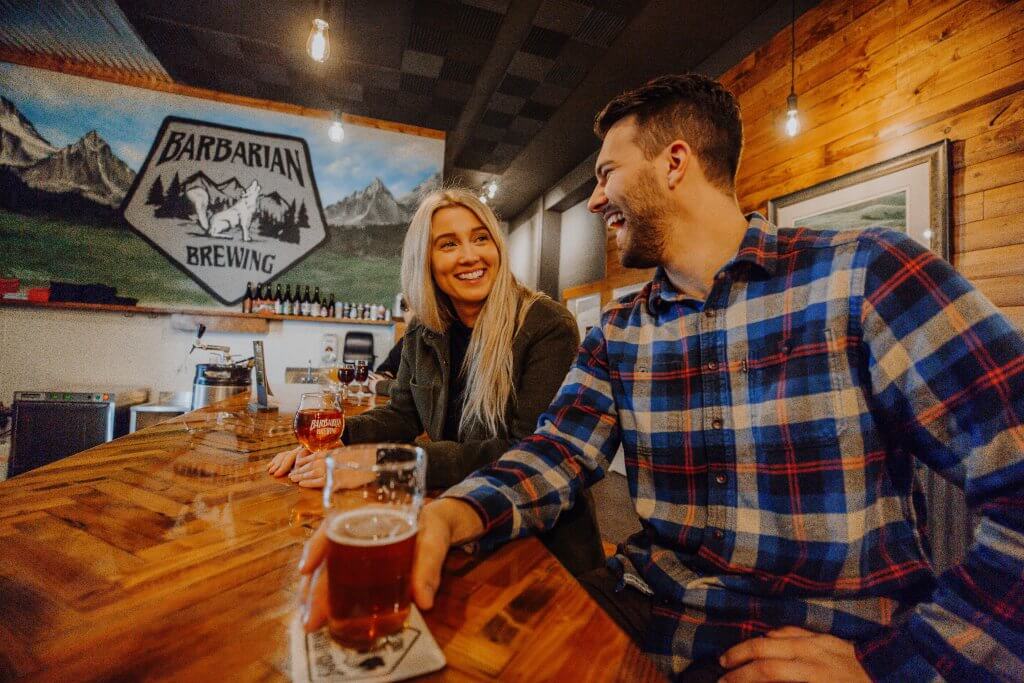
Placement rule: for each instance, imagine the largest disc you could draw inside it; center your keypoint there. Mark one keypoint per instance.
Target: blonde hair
(488, 366)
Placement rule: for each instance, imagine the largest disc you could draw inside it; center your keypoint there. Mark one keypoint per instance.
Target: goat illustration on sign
(221, 223)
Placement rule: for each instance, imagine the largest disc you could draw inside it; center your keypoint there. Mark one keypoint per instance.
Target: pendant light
(792, 113)
(336, 132)
(318, 45)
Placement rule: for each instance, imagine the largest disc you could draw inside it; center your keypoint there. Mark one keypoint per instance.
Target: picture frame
(910, 193)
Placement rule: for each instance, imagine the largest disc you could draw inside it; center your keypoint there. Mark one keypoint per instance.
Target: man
(772, 389)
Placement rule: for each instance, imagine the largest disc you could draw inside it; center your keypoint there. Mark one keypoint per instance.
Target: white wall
(43, 349)
(581, 258)
(523, 247)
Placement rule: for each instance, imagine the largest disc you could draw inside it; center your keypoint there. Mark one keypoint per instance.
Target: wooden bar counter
(171, 554)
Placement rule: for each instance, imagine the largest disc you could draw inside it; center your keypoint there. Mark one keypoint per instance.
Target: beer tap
(221, 354)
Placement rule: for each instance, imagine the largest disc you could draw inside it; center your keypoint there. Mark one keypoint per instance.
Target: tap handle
(200, 331)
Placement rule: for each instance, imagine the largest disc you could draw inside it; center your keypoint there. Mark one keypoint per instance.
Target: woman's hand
(283, 462)
(310, 470)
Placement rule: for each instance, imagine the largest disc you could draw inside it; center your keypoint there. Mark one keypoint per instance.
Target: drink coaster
(316, 657)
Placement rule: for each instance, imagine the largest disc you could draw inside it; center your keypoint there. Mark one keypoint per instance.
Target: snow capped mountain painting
(70, 149)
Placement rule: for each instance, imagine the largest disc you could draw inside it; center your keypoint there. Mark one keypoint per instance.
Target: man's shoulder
(798, 239)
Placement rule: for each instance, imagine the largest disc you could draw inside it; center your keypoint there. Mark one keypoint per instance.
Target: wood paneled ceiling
(514, 83)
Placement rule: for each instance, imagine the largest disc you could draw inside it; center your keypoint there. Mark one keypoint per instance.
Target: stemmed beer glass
(346, 375)
(319, 421)
(362, 375)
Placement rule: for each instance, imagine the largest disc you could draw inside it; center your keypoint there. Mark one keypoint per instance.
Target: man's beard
(644, 235)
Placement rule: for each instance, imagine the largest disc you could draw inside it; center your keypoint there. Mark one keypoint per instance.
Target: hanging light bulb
(319, 44)
(792, 116)
(336, 132)
(492, 189)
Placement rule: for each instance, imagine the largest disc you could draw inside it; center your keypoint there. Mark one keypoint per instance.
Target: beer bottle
(278, 300)
(286, 301)
(314, 305)
(330, 306)
(247, 301)
(304, 304)
(295, 301)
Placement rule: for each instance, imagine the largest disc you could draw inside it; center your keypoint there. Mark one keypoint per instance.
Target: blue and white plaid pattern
(770, 435)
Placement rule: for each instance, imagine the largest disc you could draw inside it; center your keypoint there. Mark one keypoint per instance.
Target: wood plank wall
(875, 79)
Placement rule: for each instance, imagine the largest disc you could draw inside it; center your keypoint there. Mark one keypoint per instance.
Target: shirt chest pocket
(795, 385)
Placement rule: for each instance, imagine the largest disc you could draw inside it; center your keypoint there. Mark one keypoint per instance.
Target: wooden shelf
(198, 312)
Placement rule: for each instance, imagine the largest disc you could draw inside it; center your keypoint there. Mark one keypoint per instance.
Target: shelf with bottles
(262, 300)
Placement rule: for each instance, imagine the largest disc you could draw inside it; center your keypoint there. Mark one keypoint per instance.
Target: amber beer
(318, 429)
(369, 568)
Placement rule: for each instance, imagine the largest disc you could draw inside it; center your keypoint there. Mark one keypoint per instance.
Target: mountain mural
(86, 177)
(374, 205)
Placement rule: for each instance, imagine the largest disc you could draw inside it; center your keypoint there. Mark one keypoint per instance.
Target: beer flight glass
(319, 421)
(372, 500)
(346, 375)
(362, 375)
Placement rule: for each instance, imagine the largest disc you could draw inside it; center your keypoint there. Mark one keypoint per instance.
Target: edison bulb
(336, 132)
(319, 45)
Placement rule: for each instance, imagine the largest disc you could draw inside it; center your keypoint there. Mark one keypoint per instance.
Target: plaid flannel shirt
(770, 436)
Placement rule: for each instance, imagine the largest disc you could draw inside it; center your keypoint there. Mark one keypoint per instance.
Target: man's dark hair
(690, 107)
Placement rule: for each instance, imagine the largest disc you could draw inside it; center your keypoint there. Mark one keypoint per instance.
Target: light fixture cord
(792, 43)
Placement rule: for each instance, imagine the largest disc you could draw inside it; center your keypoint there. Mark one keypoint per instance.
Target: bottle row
(260, 299)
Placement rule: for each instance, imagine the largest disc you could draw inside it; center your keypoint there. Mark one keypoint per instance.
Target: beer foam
(371, 525)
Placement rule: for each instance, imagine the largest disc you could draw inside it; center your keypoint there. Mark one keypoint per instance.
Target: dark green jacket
(542, 352)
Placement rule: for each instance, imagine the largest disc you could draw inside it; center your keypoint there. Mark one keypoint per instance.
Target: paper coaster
(413, 652)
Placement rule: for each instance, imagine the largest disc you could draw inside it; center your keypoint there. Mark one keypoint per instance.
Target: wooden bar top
(171, 554)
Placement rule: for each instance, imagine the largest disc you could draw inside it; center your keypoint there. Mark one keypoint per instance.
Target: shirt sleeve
(575, 439)
(947, 369)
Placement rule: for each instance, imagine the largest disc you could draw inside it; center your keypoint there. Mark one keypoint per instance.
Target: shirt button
(709, 312)
(717, 423)
(712, 366)
(721, 479)
(719, 534)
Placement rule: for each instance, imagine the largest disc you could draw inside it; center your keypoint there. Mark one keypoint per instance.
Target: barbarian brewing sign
(227, 205)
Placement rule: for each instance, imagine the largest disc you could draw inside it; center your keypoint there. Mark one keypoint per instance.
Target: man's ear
(679, 157)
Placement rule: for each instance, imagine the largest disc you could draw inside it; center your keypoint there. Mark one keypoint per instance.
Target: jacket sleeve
(549, 354)
(398, 420)
(947, 370)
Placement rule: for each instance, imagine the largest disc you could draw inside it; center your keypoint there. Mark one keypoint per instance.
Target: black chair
(358, 346)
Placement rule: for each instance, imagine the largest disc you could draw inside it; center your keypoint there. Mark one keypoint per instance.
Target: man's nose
(597, 199)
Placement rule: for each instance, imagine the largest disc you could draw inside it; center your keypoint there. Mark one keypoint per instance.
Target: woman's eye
(447, 244)
(482, 238)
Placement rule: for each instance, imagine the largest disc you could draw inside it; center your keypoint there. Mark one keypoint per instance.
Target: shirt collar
(759, 247)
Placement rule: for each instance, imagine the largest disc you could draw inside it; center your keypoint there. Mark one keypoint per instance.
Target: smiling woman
(482, 359)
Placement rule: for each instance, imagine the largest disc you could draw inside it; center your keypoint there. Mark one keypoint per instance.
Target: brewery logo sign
(227, 205)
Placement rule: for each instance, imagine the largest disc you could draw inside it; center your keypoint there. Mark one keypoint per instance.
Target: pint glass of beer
(372, 497)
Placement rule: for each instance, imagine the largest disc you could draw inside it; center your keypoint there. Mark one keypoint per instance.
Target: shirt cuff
(496, 512)
(893, 656)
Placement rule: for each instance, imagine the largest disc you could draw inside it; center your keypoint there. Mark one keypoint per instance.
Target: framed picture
(909, 193)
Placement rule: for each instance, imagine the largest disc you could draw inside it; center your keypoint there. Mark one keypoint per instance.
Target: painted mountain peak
(86, 167)
(37, 176)
(20, 142)
(373, 205)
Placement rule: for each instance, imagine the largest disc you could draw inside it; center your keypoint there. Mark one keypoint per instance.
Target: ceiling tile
(421, 63)
(508, 104)
(535, 110)
(564, 16)
(496, 118)
(500, 6)
(514, 85)
(453, 90)
(417, 84)
(544, 42)
(550, 94)
(529, 66)
(428, 39)
(600, 28)
(474, 22)
(454, 70)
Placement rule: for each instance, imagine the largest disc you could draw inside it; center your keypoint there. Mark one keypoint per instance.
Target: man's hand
(793, 654)
(442, 523)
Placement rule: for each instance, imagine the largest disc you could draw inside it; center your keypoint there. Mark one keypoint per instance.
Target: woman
(482, 359)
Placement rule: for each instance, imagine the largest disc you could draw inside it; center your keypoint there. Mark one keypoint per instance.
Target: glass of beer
(372, 499)
(362, 375)
(319, 421)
